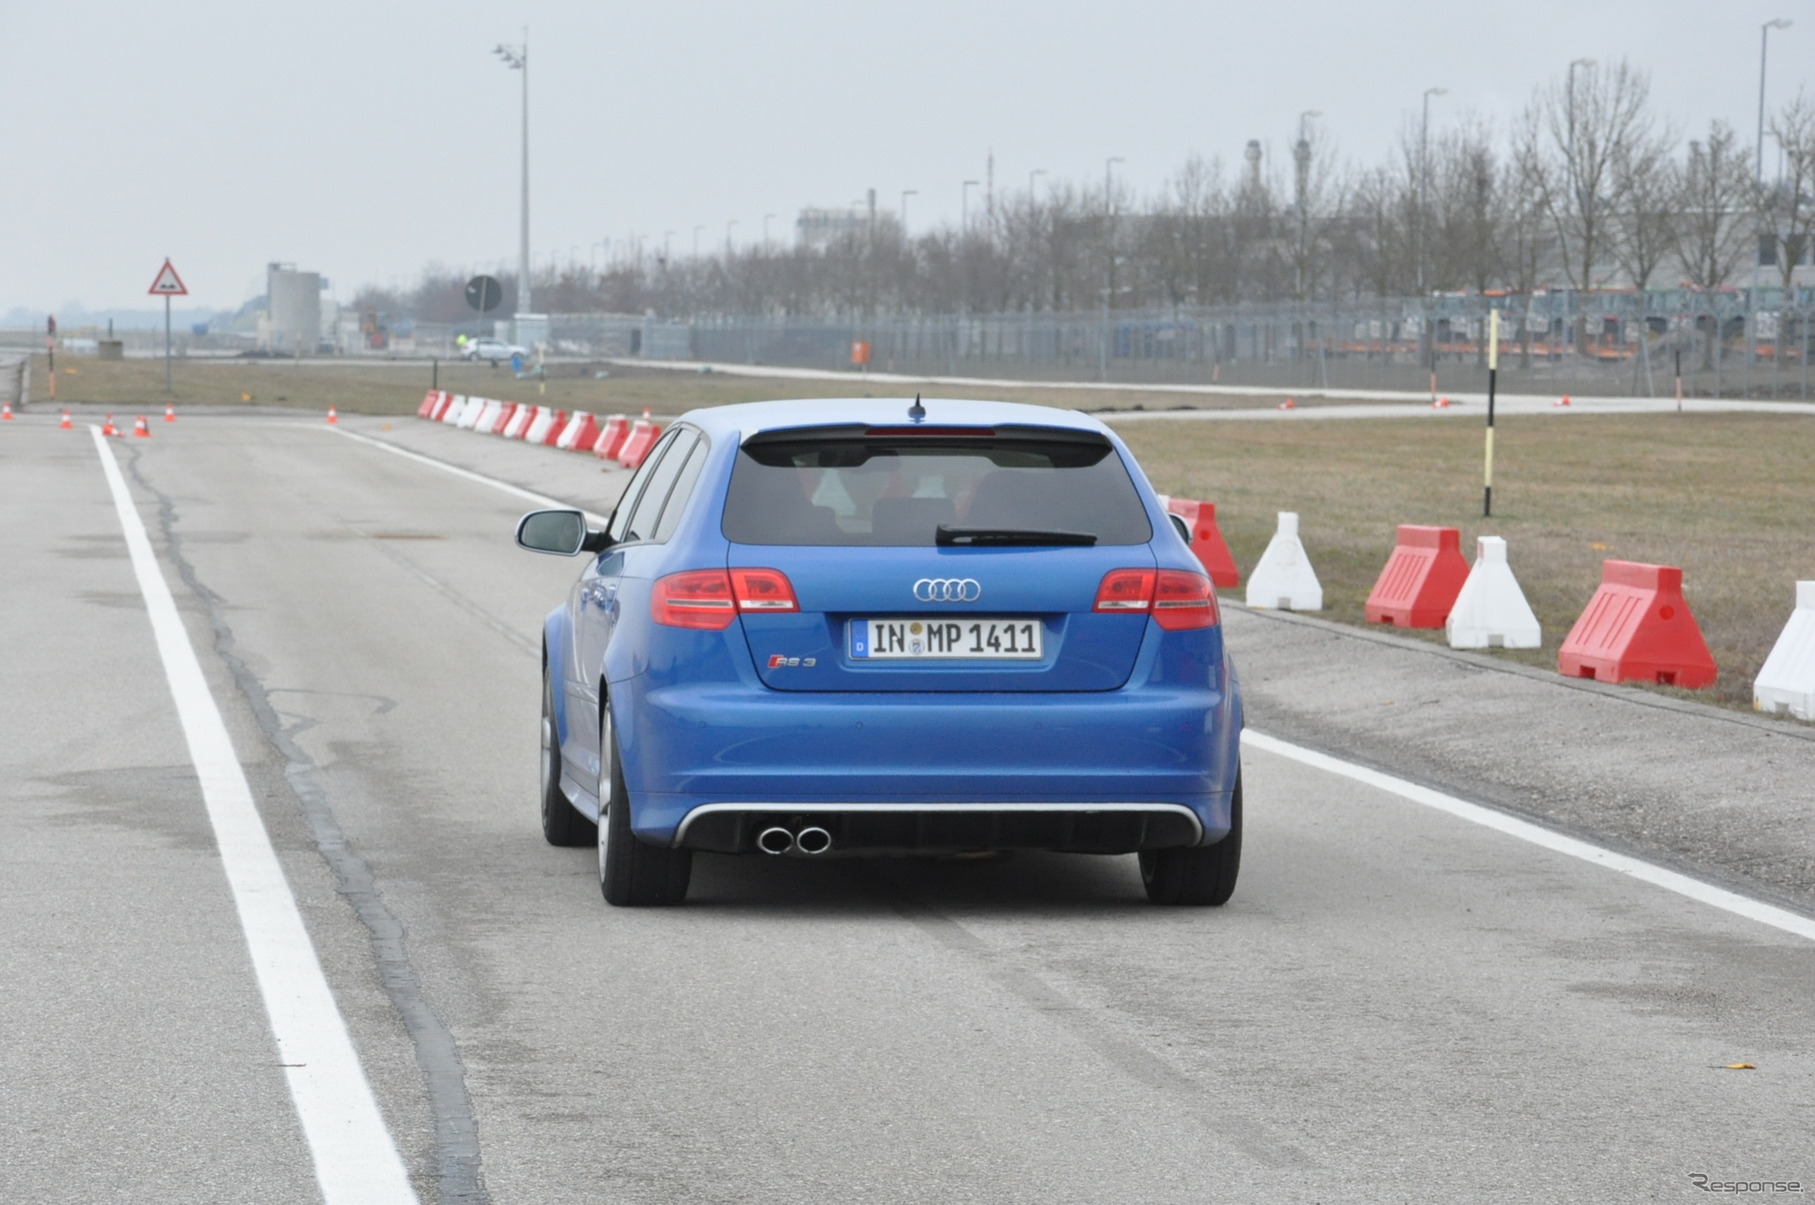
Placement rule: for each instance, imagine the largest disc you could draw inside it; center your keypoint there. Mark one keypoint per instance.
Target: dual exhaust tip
(811, 840)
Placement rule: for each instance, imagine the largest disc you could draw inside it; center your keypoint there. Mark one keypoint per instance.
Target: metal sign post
(167, 285)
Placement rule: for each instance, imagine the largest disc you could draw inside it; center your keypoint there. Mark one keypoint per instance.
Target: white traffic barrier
(469, 418)
(1491, 611)
(539, 426)
(1787, 680)
(488, 414)
(520, 421)
(455, 409)
(1284, 579)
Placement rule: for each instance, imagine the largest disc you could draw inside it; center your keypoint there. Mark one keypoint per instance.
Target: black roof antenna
(917, 412)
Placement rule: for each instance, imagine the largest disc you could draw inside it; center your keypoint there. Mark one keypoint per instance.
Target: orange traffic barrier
(497, 425)
(141, 429)
(107, 428)
(1422, 578)
(636, 446)
(66, 424)
(1207, 541)
(428, 403)
(169, 412)
(611, 437)
(1637, 628)
(332, 416)
(444, 401)
(553, 437)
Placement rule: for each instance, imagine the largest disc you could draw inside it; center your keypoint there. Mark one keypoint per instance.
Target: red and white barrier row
(1636, 628)
(618, 439)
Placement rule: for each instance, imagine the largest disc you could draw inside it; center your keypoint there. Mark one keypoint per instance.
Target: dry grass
(395, 387)
(1728, 498)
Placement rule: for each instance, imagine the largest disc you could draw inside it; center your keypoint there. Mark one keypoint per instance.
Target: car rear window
(894, 490)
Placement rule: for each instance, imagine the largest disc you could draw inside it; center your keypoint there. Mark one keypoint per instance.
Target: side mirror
(1183, 528)
(556, 532)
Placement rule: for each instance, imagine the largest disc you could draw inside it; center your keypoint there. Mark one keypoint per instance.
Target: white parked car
(495, 350)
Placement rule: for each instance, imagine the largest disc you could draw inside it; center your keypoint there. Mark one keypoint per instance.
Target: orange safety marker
(1637, 628)
(1422, 578)
(332, 416)
(66, 424)
(107, 428)
(1288, 404)
(169, 413)
(1563, 402)
(636, 448)
(553, 435)
(141, 429)
(1207, 541)
(6, 411)
(1441, 403)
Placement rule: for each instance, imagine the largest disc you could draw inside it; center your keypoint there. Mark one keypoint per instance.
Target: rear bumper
(900, 828)
(1109, 771)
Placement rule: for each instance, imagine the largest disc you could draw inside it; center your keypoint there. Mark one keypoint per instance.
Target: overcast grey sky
(367, 138)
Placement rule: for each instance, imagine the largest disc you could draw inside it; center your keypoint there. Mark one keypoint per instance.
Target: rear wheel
(632, 873)
(1201, 875)
(561, 824)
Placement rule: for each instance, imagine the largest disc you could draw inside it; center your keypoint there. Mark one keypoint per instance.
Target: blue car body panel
(1131, 715)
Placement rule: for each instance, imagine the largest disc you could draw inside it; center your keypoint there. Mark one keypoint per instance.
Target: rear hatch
(939, 558)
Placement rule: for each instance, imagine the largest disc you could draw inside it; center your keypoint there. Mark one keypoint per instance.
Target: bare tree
(1648, 184)
(1570, 142)
(1712, 207)
(1790, 206)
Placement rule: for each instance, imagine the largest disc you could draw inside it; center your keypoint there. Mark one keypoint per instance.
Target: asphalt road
(1398, 1005)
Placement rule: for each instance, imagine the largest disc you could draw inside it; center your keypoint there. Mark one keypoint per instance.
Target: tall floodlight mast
(517, 59)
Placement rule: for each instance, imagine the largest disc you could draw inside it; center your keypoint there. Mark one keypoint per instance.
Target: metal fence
(1731, 343)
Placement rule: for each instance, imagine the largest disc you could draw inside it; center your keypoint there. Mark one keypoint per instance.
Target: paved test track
(1398, 1004)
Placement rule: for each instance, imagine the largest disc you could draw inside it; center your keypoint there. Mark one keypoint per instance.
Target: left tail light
(709, 599)
(1183, 600)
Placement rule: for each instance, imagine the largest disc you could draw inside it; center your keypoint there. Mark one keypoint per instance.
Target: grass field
(395, 387)
(1730, 498)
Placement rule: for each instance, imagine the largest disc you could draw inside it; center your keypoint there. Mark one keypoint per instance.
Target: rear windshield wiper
(973, 537)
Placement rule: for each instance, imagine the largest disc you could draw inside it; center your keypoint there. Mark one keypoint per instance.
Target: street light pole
(1302, 179)
(1108, 261)
(1424, 171)
(1764, 42)
(517, 59)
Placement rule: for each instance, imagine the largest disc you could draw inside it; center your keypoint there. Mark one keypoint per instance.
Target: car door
(595, 604)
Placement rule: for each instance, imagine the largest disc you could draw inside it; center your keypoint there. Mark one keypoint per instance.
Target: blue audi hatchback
(869, 627)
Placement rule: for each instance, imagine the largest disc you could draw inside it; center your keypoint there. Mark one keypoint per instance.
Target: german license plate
(971, 638)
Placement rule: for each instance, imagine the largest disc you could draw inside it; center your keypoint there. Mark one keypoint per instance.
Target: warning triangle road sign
(168, 283)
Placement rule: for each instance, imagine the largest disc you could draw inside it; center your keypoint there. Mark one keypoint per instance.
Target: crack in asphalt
(459, 1171)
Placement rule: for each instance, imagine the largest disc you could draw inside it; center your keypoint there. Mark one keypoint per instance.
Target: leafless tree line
(1588, 188)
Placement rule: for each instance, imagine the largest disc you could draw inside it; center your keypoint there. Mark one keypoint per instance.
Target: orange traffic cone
(332, 417)
(66, 424)
(1288, 404)
(1564, 402)
(107, 428)
(1441, 403)
(169, 412)
(645, 412)
(141, 429)
(6, 411)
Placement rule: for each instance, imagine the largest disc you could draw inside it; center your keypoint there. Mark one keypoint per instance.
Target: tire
(561, 824)
(632, 872)
(1200, 875)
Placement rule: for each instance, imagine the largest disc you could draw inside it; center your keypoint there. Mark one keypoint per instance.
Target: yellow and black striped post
(1493, 372)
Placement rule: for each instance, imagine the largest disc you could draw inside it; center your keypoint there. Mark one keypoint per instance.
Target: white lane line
(516, 490)
(356, 1161)
(1524, 830)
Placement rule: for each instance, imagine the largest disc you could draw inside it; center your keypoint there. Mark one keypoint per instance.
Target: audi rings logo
(948, 589)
